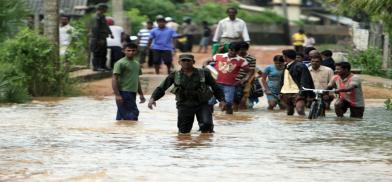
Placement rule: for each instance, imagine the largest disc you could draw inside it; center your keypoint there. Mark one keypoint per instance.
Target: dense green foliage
(152, 8)
(376, 9)
(140, 10)
(369, 61)
(213, 12)
(12, 14)
(388, 104)
(27, 64)
(78, 51)
(12, 85)
(136, 19)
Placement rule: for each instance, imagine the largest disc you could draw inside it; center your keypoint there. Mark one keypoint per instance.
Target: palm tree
(378, 9)
(51, 27)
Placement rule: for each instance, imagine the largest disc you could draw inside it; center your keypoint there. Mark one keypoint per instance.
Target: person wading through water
(193, 88)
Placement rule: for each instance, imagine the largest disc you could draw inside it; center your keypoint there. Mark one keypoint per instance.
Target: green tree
(152, 8)
(30, 56)
(377, 9)
(12, 14)
(136, 20)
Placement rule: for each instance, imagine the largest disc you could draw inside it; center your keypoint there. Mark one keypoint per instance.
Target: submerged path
(77, 139)
(374, 87)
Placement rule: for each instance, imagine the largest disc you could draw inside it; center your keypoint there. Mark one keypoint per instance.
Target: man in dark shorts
(349, 88)
(295, 76)
(162, 43)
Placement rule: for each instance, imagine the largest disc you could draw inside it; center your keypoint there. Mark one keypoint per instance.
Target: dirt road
(263, 54)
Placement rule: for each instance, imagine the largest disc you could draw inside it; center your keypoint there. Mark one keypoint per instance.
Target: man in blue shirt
(162, 43)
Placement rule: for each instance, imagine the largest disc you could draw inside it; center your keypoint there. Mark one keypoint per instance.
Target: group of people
(302, 40)
(284, 83)
(104, 35)
(231, 77)
(160, 39)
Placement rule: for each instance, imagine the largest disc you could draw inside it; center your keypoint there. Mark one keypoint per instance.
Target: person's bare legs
(282, 106)
(169, 66)
(300, 107)
(200, 47)
(271, 104)
(205, 49)
(157, 67)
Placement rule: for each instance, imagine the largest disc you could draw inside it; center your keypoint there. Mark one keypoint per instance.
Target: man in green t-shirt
(125, 84)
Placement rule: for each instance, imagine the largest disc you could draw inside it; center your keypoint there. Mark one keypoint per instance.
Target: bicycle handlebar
(317, 90)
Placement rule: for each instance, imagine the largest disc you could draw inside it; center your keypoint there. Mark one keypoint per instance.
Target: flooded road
(77, 139)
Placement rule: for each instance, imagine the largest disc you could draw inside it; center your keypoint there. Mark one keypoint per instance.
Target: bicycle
(317, 108)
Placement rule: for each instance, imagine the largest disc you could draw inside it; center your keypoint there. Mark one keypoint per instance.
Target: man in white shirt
(231, 29)
(65, 34)
(309, 40)
(115, 43)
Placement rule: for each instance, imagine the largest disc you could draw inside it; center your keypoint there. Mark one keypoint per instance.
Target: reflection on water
(185, 141)
(77, 139)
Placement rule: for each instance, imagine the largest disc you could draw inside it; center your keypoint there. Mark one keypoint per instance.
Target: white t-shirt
(65, 35)
(65, 38)
(309, 42)
(116, 31)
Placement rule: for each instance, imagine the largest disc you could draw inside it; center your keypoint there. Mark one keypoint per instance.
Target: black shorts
(344, 105)
(162, 55)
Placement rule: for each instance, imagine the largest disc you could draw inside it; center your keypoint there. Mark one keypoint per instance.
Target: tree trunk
(375, 35)
(51, 25)
(386, 60)
(118, 14)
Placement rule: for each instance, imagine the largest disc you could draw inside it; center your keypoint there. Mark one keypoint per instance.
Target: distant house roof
(67, 7)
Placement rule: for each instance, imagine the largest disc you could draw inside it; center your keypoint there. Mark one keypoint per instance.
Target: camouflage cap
(186, 57)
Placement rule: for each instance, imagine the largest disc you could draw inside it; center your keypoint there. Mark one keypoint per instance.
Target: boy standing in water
(228, 66)
(125, 84)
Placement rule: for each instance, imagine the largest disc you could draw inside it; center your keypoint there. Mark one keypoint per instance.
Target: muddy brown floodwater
(77, 139)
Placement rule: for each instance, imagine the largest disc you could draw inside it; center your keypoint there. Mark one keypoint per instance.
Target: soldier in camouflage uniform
(193, 88)
(99, 31)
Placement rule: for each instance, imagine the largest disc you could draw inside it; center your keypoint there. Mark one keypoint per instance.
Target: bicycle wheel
(320, 109)
(313, 110)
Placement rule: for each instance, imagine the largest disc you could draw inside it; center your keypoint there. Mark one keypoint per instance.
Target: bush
(78, 51)
(388, 73)
(12, 14)
(136, 20)
(31, 57)
(12, 85)
(213, 12)
(388, 104)
(210, 12)
(152, 8)
(369, 61)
